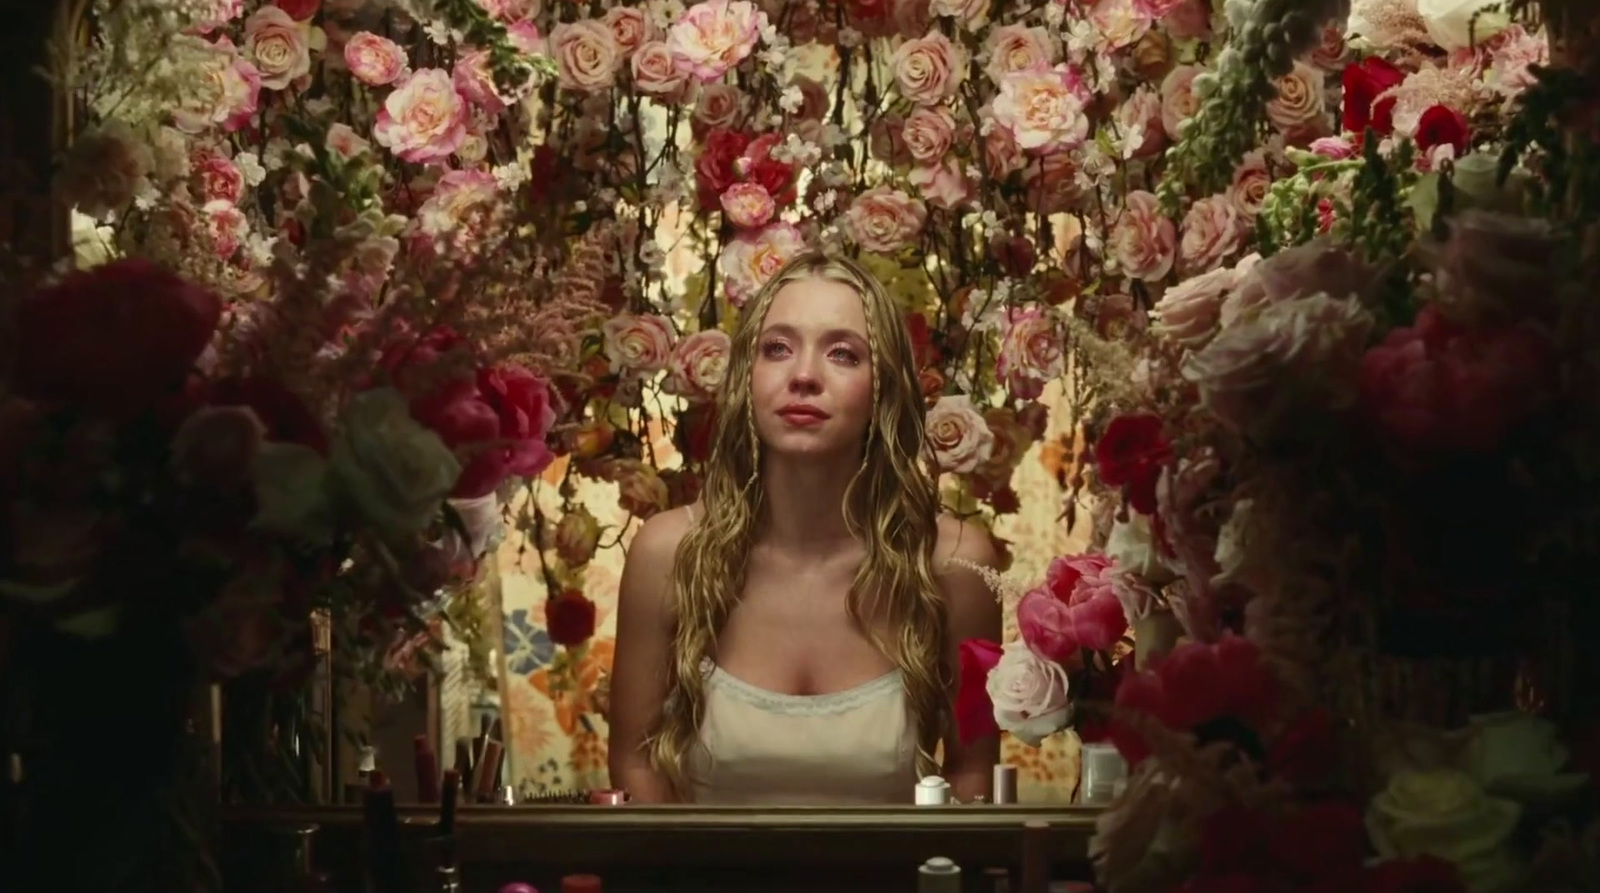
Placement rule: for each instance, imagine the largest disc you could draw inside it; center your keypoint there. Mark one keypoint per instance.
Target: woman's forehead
(816, 303)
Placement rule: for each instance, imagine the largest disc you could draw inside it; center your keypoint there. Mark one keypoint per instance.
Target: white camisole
(759, 747)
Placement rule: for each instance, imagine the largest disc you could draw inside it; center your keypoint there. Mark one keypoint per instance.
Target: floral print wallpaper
(554, 699)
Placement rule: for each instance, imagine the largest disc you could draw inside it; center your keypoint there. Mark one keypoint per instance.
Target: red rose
(409, 359)
(496, 421)
(714, 170)
(1195, 685)
(569, 617)
(1306, 754)
(922, 347)
(1423, 874)
(1437, 386)
(1363, 82)
(974, 710)
(1321, 840)
(696, 429)
(112, 340)
(756, 165)
(1131, 454)
(284, 414)
(299, 10)
(1442, 125)
(1233, 841)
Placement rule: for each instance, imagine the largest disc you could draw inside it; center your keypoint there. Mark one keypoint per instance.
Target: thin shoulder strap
(689, 507)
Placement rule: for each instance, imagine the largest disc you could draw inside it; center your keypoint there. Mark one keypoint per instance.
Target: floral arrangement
(1353, 474)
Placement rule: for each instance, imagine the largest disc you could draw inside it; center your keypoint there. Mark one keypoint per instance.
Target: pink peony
(1044, 109)
(474, 80)
(424, 120)
(714, 36)
(374, 60)
(1076, 608)
(748, 205)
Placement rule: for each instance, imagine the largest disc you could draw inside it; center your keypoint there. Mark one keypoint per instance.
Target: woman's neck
(804, 502)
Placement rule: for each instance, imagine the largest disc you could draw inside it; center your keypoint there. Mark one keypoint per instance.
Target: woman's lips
(803, 417)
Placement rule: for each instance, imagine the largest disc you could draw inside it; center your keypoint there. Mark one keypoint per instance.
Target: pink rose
(1043, 109)
(1029, 694)
(1118, 23)
(885, 220)
(424, 120)
(227, 93)
(1211, 231)
(1436, 386)
(958, 437)
(719, 106)
(698, 365)
(1298, 111)
(1054, 183)
(1178, 100)
(1189, 312)
(587, 55)
(374, 60)
(887, 140)
(749, 260)
(970, 14)
(510, 10)
(1018, 48)
(474, 80)
(629, 27)
(927, 70)
(456, 201)
(640, 490)
(1144, 241)
(655, 70)
(714, 36)
(219, 178)
(1251, 184)
(1002, 156)
(943, 185)
(226, 226)
(278, 45)
(1318, 265)
(525, 38)
(1076, 608)
(1031, 353)
(640, 343)
(344, 142)
(1139, 124)
(1335, 148)
(748, 205)
(928, 133)
(1302, 352)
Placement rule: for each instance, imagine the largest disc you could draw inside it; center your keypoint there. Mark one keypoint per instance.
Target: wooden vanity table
(670, 848)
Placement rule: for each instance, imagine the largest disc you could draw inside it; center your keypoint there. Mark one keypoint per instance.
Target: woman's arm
(974, 612)
(643, 650)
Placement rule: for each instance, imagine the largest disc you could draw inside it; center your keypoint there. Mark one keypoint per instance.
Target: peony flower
(1029, 694)
(714, 36)
(226, 92)
(927, 70)
(1119, 24)
(1016, 47)
(474, 80)
(586, 53)
(458, 196)
(749, 259)
(1211, 231)
(698, 365)
(1076, 608)
(638, 343)
(1043, 109)
(958, 437)
(748, 205)
(424, 120)
(375, 60)
(1144, 241)
(394, 471)
(279, 46)
(884, 219)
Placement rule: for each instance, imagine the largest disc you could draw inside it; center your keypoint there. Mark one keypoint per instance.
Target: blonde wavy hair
(891, 506)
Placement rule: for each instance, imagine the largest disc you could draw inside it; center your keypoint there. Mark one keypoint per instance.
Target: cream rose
(1118, 23)
(1298, 111)
(747, 205)
(1043, 109)
(577, 535)
(885, 220)
(1144, 241)
(655, 71)
(483, 523)
(928, 133)
(1029, 694)
(1210, 232)
(279, 46)
(715, 36)
(1443, 813)
(1188, 313)
(1251, 183)
(639, 343)
(971, 14)
(749, 260)
(1133, 547)
(958, 437)
(1178, 101)
(1462, 24)
(698, 365)
(927, 70)
(587, 55)
(226, 92)
(640, 490)
(1017, 48)
(424, 120)
(719, 105)
(393, 470)
(629, 27)
(374, 60)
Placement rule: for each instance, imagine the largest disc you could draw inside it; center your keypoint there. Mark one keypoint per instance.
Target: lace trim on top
(801, 705)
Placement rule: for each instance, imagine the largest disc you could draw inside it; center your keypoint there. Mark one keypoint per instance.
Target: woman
(791, 638)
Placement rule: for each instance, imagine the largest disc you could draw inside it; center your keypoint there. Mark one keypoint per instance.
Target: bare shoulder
(962, 543)
(656, 541)
(646, 587)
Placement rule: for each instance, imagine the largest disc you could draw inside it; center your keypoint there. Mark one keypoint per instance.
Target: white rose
(1460, 24)
(1132, 545)
(279, 46)
(1443, 813)
(395, 471)
(1029, 694)
(291, 492)
(958, 436)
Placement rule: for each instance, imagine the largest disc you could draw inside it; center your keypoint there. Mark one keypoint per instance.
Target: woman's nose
(804, 381)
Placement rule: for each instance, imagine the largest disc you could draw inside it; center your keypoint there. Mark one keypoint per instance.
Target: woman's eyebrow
(782, 328)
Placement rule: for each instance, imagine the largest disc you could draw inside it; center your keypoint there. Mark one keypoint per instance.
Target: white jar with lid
(939, 875)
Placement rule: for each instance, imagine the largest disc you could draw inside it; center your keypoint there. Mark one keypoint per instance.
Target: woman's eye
(845, 355)
(774, 349)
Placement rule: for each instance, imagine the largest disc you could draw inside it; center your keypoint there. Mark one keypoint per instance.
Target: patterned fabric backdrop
(554, 701)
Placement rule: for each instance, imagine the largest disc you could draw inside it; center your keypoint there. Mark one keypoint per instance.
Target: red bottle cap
(580, 883)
